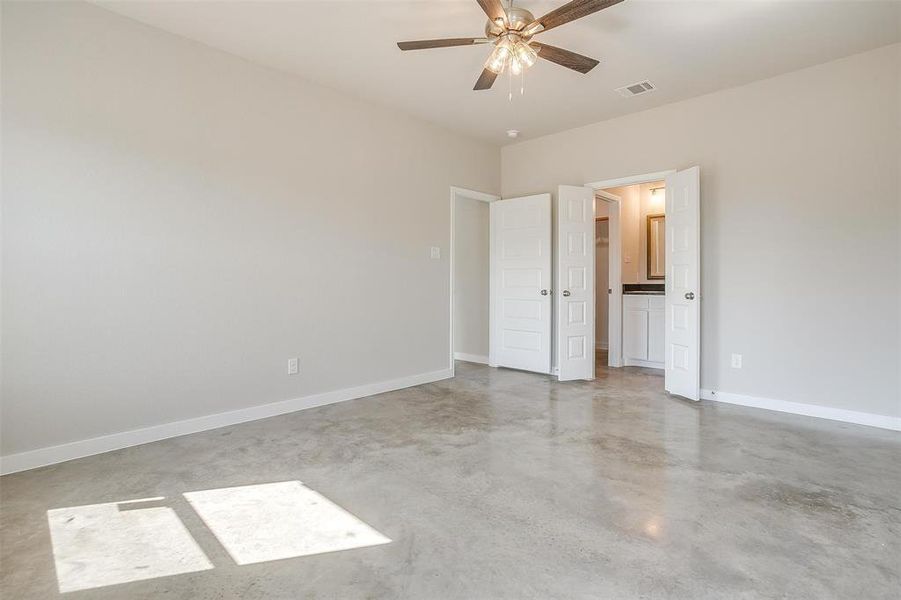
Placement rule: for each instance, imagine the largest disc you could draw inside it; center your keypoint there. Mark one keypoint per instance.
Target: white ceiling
(686, 48)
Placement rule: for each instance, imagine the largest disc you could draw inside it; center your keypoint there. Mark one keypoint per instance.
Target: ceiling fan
(511, 29)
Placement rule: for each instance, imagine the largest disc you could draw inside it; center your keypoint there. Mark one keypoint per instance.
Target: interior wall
(637, 203)
(179, 222)
(800, 223)
(630, 214)
(651, 204)
(471, 276)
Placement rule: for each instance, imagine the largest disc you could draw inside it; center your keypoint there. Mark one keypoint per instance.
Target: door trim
(459, 192)
(614, 283)
(630, 180)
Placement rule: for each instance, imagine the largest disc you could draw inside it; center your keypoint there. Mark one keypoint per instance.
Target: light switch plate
(736, 361)
(435, 252)
(293, 366)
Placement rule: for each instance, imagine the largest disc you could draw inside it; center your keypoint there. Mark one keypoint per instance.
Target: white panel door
(683, 283)
(575, 282)
(520, 336)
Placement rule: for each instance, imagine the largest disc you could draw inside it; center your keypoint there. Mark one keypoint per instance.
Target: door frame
(458, 192)
(615, 319)
(614, 280)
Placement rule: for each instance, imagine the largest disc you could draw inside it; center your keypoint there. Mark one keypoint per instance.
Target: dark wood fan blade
(568, 59)
(486, 80)
(425, 44)
(569, 12)
(493, 8)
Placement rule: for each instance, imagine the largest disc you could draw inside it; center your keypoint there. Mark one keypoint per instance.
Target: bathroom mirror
(656, 268)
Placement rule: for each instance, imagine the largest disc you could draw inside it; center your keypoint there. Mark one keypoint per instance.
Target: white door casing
(683, 283)
(520, 273)
(575, 282)
(614, 280)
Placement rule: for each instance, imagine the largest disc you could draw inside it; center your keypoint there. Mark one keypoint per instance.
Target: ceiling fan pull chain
(522, 83)
(510, 90)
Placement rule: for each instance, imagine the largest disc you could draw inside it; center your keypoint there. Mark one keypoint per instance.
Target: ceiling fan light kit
(511, 29)
(511, 43)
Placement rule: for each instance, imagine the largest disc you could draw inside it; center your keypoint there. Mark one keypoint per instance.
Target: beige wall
(800, 202)
(637, 203)
(471, 272)
(178, 222)
(651, 204)
(629, 215)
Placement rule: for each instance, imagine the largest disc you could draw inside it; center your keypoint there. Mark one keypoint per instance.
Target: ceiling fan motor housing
(517, 20)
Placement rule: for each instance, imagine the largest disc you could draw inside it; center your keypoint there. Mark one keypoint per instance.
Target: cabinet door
(635, 334)
(656, 334)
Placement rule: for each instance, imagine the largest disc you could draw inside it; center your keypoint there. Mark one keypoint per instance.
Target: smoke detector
(636, 89)
(513, 133)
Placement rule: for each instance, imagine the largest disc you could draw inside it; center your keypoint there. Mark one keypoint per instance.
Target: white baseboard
(57, 454)
(473, 358)
(809, 410)
(635, 362)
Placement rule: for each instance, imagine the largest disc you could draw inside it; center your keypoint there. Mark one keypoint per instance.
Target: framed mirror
(656, 269)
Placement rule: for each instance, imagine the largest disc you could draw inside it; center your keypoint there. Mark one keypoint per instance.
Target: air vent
(634, 89)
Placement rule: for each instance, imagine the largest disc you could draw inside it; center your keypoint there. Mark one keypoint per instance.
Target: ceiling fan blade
(566, 13)
(486, 80)
(494, 9)
(445, 43)
(568, 59)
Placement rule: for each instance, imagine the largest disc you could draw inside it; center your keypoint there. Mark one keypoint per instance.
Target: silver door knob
(543, 292)
(566, 293)
(690, 296)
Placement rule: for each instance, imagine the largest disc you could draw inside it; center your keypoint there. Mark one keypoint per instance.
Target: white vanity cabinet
(643, 330)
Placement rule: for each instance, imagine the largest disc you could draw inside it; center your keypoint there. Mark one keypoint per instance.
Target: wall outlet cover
(736, 361)
(293, 366)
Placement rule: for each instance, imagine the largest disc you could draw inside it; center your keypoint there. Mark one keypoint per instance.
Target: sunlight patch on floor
(272, 521)
(106, 544)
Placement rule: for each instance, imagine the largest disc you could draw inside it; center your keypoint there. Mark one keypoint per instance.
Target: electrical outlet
(736, 361)
(293, 366)
(435, 252)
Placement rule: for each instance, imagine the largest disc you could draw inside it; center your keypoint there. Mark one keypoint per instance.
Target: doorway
(469, 275)
(608, 281)
(659, 293)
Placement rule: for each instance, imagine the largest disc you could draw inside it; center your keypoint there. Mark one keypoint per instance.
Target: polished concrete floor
(503, 484)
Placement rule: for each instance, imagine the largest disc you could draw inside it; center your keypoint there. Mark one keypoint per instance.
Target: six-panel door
(575, 282)
(521, 283)
(683, 276)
